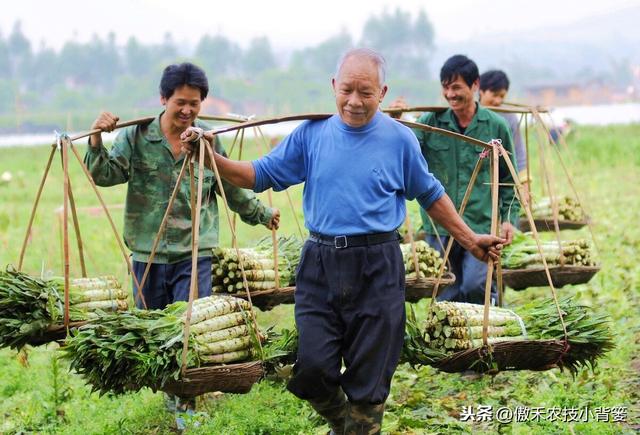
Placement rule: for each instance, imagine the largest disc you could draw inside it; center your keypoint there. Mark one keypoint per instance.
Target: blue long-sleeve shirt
(356, 179)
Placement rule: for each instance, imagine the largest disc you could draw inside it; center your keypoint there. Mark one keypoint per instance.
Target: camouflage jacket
(141, 156)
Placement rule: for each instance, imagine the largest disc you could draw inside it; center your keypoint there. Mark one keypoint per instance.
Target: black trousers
(349, 307)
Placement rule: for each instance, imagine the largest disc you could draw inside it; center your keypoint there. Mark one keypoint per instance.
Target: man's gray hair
(369, 54)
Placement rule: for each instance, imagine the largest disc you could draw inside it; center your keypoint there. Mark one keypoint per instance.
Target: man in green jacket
(452, 162)
(149, 157)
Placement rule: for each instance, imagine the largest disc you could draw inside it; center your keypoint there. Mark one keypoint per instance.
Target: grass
(43, 397)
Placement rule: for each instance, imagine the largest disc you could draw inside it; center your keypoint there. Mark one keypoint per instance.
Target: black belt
(340, 242)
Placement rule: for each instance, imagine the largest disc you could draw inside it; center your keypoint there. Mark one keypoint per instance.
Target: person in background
(359, 167)
(452, 162)
(494, 87)
(149, 157)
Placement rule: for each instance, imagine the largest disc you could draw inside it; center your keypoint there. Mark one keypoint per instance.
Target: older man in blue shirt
(359, 166)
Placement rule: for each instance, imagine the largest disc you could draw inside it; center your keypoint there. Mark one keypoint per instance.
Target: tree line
(43, 88)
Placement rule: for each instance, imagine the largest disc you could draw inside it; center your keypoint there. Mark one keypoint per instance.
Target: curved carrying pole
(138, 121)
(227, 118)
(317, 116)
(438, 109)
(444, 132)
(528, 107)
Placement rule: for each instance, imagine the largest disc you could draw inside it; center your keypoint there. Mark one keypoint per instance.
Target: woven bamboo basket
(506, 355)
(546, 224)
(228, 378)
(416, 289)
(54, 333)
(520, 279)
(267, 299)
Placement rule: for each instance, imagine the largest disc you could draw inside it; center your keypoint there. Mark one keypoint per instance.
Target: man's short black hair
(459, 65)
(494, 80)
(186, 73)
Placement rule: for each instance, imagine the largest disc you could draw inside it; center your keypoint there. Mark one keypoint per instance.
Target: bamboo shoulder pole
(138, 121)
(444, 132)
(439, 109)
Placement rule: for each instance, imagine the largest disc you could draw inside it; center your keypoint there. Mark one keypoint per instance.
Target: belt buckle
(338, 245)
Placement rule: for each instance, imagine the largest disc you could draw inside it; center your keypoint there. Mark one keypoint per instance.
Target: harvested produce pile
(455, 326)
(29, 306)
(568, 209)
(523, 253)
(258, 265)
(130, 350)
(429, 260)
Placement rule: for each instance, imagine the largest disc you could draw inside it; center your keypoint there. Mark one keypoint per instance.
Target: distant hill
(597, 47)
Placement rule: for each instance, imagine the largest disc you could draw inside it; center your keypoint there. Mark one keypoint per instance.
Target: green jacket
(141, 156)
(452, 161)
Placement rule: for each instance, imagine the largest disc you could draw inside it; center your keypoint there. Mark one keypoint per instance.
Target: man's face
(358, 91)
(182, 108)
(459, 94)
(491, 98)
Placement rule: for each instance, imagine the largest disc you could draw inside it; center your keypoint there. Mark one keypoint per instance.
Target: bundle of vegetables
(523, 252)
(138, 348)
(429, 260)
(455, 326)
(91, 294)
(568, 209)
(416, 349)
(258, 265)
(29, 305)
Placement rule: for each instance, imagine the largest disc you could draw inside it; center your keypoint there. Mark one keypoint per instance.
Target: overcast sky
(288, 24)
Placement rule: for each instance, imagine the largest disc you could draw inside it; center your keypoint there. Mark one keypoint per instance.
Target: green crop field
(39, 395)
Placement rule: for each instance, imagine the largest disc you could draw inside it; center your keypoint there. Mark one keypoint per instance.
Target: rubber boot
(333, 410)
(364, 419)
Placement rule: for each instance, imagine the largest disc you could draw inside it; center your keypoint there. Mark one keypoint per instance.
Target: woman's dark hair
(186, 73)
(494, 80)
(459, 65)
